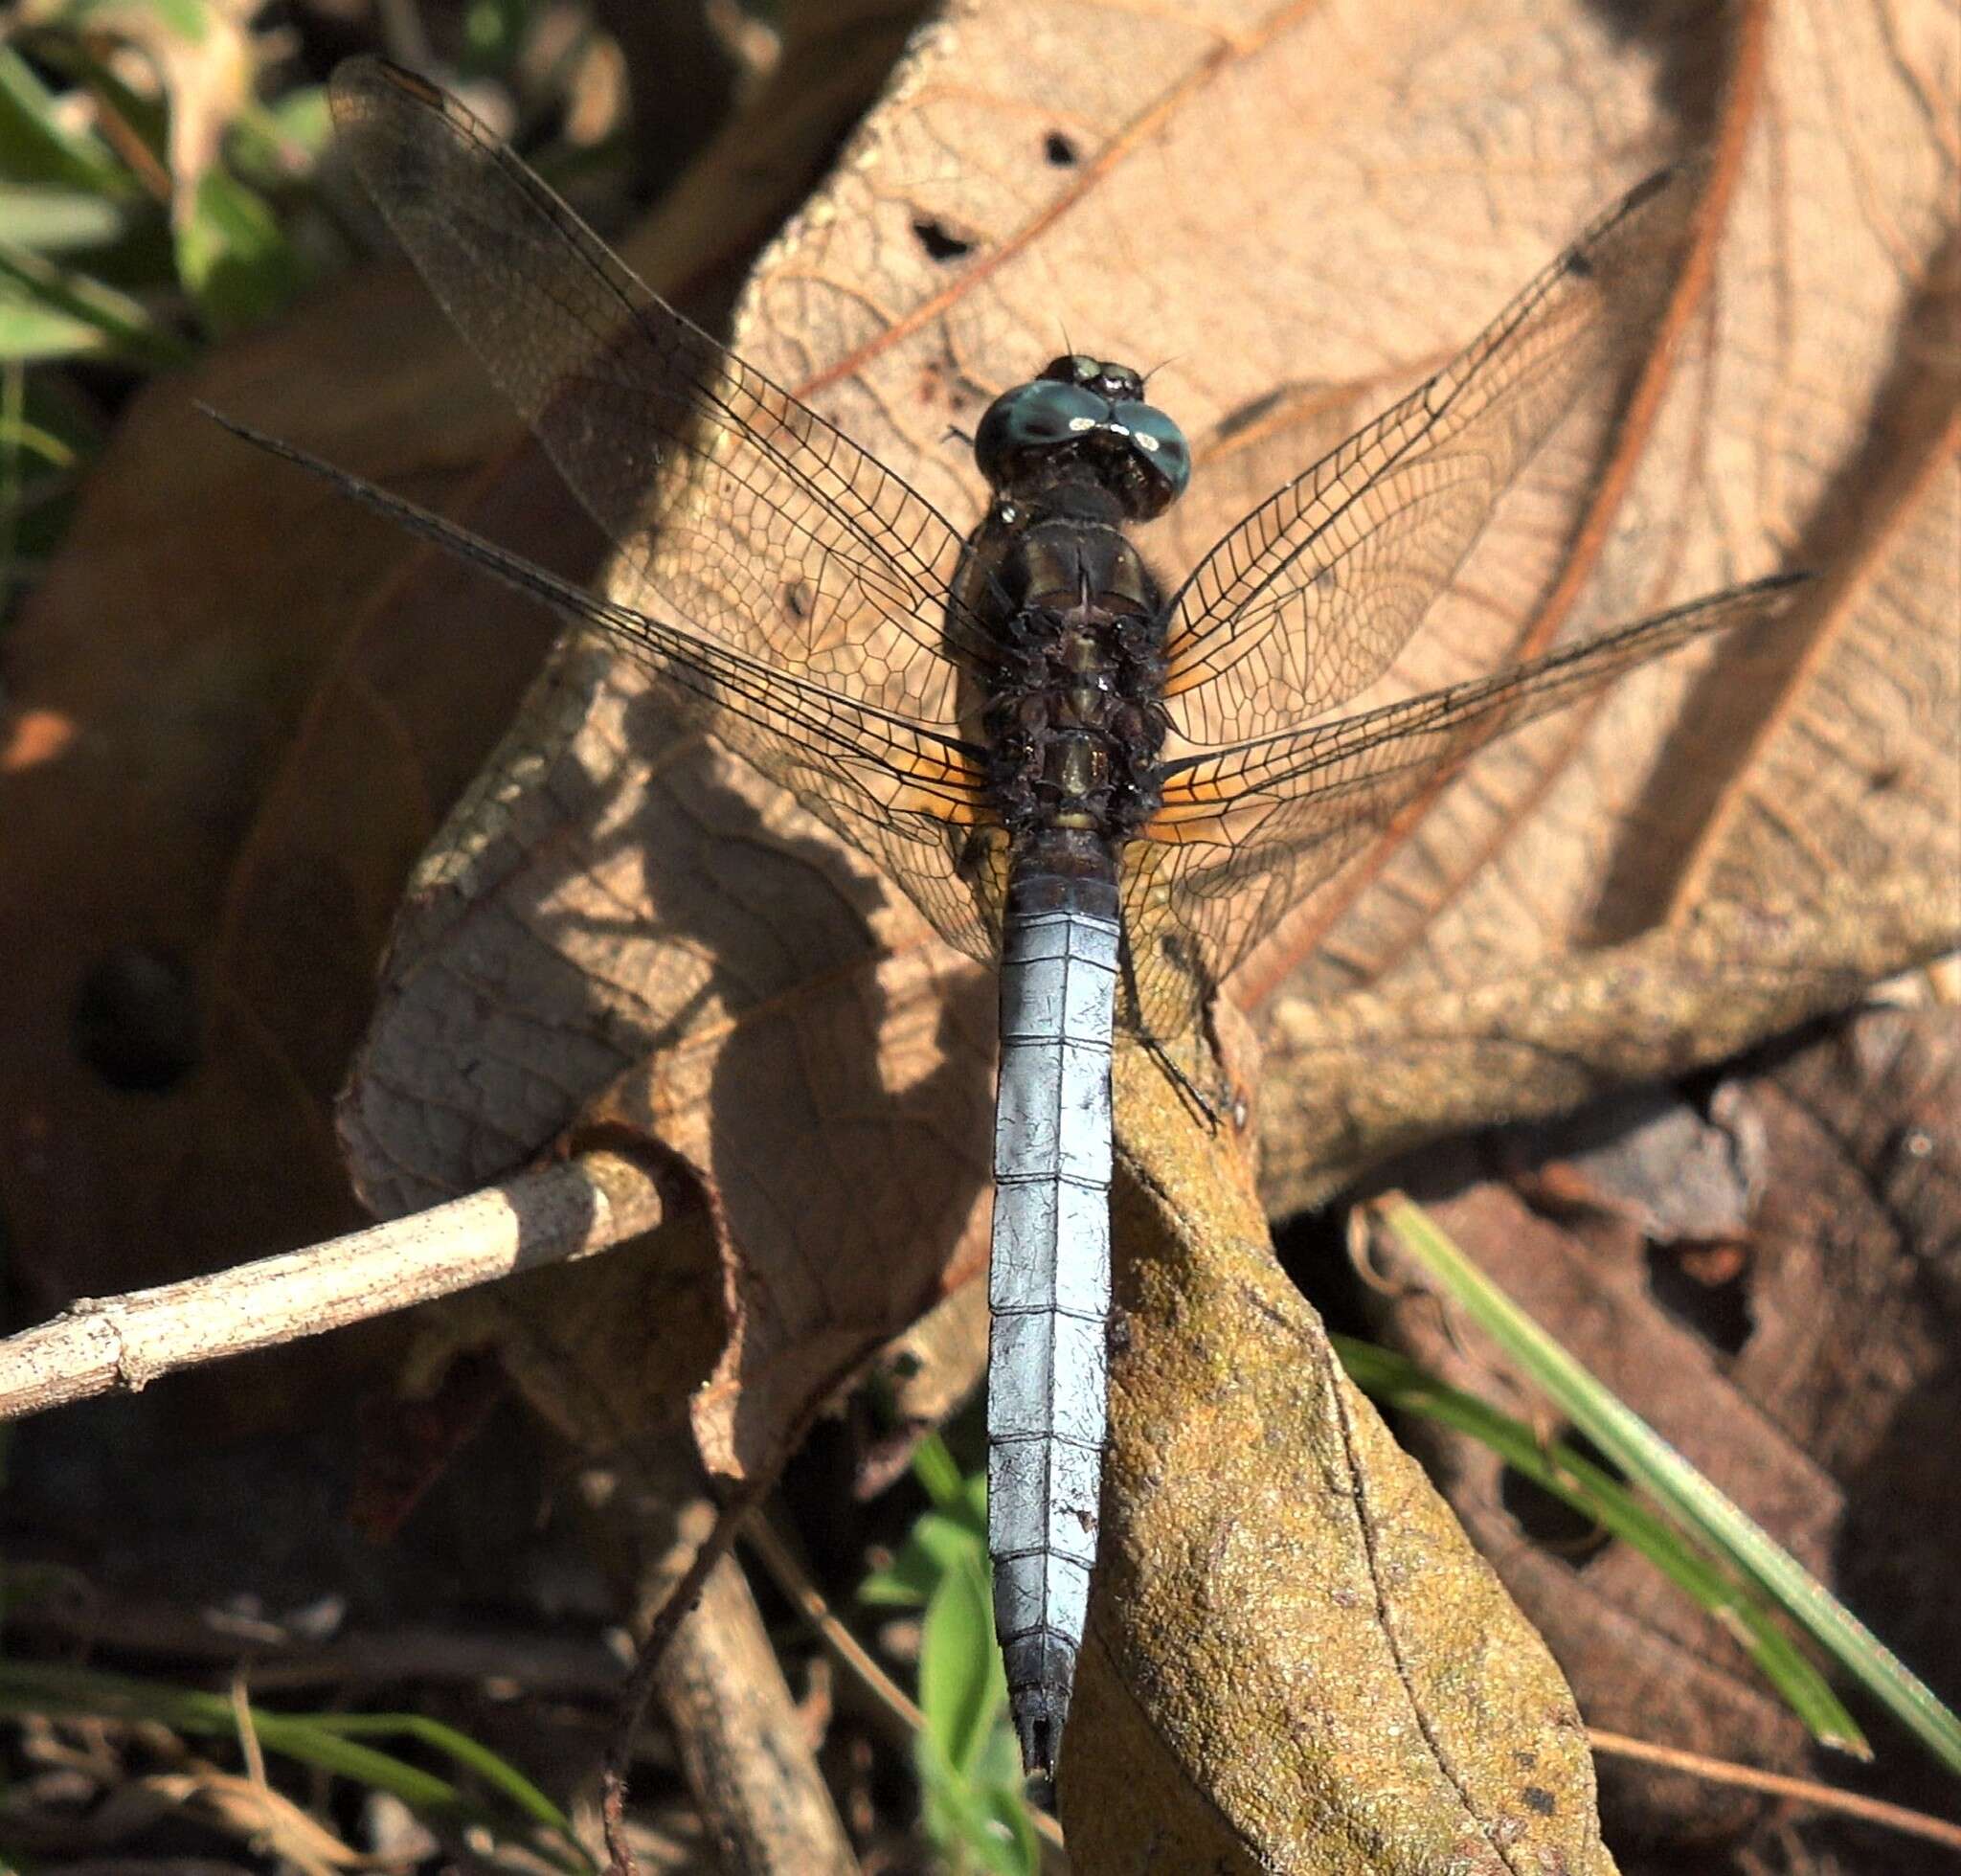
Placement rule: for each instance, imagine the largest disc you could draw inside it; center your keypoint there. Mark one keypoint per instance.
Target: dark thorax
(1073, 714)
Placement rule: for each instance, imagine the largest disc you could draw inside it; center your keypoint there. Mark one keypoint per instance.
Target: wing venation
(1310, 598)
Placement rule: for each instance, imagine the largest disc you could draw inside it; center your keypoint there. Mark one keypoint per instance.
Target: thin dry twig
(747, 1752)
(661, 1631)
(905, 1721)
(1805, 1790)
(279, 1660)
(908, 1721)
(249, 1748)
(556, 1214)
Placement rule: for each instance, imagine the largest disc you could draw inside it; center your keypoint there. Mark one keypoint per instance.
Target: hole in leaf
(1060, 150)
(938, 241)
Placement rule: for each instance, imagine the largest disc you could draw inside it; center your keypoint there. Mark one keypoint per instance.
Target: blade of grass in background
(232, 257)
(1651, 1463)
(327, 1741)
(969, 1764)
(35, 146)
(50, 221)
(1392, 1380)
(969, 1767)
(50, 311)
(941, 1540)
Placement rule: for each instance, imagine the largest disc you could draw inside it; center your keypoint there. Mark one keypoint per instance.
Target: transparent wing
(907, 796)
(1309, 600)
(747, 517)
(1248, 830)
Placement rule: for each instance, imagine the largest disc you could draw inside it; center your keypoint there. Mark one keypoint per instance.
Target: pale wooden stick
(553, 1215)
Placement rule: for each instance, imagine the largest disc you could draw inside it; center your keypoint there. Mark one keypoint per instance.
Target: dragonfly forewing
(1308, 600)
(737, 510)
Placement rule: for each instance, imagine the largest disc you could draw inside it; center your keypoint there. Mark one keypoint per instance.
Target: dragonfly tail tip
(1040, 1705)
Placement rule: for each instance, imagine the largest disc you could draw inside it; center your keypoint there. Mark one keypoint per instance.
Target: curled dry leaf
(1746, 833)
(1299, 214)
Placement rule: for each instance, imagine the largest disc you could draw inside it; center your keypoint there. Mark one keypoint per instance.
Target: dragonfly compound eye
(1161, 451)
(1039, 415)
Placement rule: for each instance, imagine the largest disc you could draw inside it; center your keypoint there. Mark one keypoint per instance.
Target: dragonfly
(1109, 786)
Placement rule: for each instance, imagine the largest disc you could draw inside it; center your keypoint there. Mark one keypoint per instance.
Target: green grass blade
(53, 221)
(1659, 1470)
(48, 311)
(329, 1742)
(36, 146)
(460, 1748)
(962, 1687)
(189, 19)
(1395, 1380)
(938, 1472)
(232, 257)
(27, 1687)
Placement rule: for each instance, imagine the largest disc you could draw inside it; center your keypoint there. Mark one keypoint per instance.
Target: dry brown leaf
(236, 712)
(1776, 785)
(1352, 1079)
(896, 339)
(182, 658)
(1810, 1378)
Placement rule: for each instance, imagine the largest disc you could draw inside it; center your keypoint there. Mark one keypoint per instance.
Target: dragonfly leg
(1203, 1110)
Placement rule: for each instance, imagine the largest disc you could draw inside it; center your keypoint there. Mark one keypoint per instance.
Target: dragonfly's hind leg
(1204, 1110)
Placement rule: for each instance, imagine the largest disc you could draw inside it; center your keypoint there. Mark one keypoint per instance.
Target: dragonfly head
(1085, 412)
